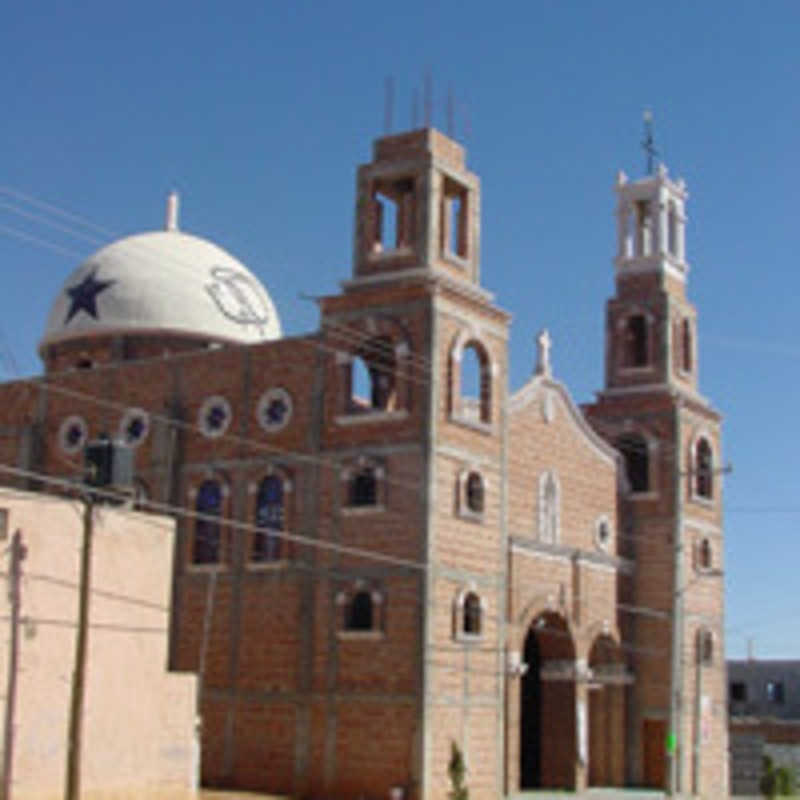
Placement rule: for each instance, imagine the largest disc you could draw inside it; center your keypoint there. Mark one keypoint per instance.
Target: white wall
(139, 721)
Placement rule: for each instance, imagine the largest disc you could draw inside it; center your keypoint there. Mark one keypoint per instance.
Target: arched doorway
(547, 706)
(606, 714)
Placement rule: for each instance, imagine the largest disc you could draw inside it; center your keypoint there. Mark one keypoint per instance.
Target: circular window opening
(214, 416)
(73, 433)
(603, 533)
(134, 426)
(274, 409)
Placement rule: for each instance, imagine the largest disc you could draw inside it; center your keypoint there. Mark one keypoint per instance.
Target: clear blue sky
(258, 112)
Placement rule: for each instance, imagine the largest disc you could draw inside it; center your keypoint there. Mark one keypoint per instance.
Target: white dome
(163, 282)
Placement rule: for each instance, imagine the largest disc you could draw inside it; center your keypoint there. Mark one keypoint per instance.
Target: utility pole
(675, 737)
(15, 574)
(73, 782)
(674, 743)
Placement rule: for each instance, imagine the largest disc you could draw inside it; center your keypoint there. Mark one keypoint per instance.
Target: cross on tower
(648, 144)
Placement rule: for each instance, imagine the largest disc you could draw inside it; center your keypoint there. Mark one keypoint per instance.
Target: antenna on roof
(648, 145)
(451, 113)
(388, 108)
(428, 97)
(171, 217)
(414, 109)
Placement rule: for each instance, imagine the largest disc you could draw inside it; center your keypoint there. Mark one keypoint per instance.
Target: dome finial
(171, 220)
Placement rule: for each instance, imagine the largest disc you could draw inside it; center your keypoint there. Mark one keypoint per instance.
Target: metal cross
(648, 145)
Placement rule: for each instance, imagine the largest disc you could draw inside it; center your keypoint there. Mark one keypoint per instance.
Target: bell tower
(417, 208)
(670, 497)
(651, 325)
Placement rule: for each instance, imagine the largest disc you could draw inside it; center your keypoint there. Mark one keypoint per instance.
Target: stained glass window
(207, 533)
(269, 518)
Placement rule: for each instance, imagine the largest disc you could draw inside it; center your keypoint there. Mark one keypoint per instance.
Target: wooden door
(654, 745)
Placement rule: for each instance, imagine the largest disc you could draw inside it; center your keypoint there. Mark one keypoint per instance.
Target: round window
(72, 434)
(134, 426)
(214, 416)
(602, 533)
(274, 409)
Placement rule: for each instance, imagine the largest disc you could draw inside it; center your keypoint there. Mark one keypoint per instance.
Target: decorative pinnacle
(171, 217)
(648, 144)
(543, 345)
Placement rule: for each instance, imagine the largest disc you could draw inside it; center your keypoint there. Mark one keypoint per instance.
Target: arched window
(359, 615)
(686, 345)
(643, 228)
(364, 487)
(207, 532)
(269, 519)
(672, 230)
(629, 233)
(471, 383)
(705, 647)
(471, 395)
(704, 469)
(704, 559)
(636, 346)
(474, 494)
(637, 463)
(373, 376)
(471, 625)
(549, 511)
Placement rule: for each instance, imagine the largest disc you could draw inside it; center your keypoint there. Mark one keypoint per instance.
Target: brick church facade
(385, 549)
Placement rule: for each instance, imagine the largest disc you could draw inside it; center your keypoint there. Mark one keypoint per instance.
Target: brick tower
(420, 383)
(670, 497)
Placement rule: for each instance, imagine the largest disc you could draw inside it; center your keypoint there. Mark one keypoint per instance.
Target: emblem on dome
(238, 298)
(83, 297)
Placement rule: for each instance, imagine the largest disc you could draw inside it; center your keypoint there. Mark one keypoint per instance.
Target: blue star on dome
(83, 297)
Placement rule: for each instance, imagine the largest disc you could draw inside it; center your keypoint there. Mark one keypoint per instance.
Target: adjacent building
(139, 724)
(764, 708)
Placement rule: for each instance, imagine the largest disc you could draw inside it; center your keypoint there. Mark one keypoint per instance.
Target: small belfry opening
(672, 230)
(704, 469)
(393, 210)
(686, 345)
(453, 222)
(636, 350)
(644, 227)
(633, 448)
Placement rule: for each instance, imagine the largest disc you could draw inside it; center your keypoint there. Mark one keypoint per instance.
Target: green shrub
(777, 781)
(456, 770)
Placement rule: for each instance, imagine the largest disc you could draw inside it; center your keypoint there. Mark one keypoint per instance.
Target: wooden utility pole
(14, 575)
(73, 783)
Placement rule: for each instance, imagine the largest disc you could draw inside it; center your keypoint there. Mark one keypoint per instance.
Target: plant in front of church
(456, 771)
(777, 781)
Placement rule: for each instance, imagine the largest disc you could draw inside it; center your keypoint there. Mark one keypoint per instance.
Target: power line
(322, 544)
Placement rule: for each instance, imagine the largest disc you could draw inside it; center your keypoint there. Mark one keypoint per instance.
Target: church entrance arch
(547, 706)
(606, 713)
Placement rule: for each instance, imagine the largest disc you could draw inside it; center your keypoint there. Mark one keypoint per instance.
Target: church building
(382, 549)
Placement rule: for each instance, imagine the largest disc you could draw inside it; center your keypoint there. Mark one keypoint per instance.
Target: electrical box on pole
(109, 464)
